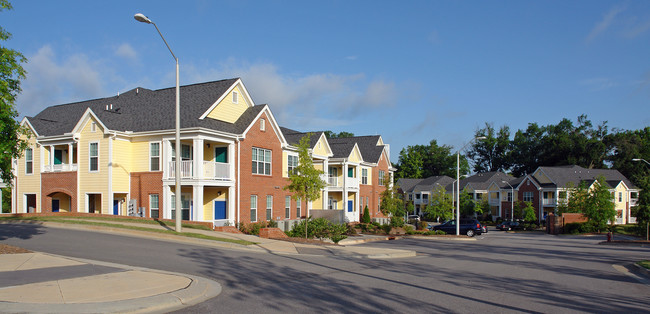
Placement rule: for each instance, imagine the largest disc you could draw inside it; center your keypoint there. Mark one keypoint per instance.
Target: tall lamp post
(458, 184)
(142, 18)
(647, 226)
(512, 200)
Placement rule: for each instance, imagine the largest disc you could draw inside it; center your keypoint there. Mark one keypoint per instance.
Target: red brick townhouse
(115, 156)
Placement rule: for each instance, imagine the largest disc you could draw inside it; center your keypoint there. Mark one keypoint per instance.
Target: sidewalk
(46, 283)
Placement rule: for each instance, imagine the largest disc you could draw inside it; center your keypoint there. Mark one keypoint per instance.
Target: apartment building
(116, 156)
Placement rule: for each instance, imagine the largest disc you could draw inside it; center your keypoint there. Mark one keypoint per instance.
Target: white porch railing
(632, 220)
(549, 202)
(352, 182)
(211, 170)
(633, 202)
(59, 168)
(494, 202)
(333, 181)
(620, 221)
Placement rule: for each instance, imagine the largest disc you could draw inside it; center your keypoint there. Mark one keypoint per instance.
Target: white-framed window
(262, 125)
(154, 156)
(528, 196)
(269, 207)
(29, 161)
(93, 127)
(253, 208)
(509, 197)
(378, 204)
(331, 203)
(287, 207)
(154, 206)
(292, 164)
(298, 201)
(620, 197)
(93, 156)
(261, 161)
(235, 97)
(364, 176)
(381, 177)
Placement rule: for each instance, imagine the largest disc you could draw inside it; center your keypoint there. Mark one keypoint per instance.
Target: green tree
(466, 203)
(11, 72)
(391, 203)
(366, 215)
(410, 208)
(422, 161)
(441, 205)
(492, 153)
(330, 134)
(642, 209)
(600, 206)
(528, 212)
(577, 199)
(305, 182)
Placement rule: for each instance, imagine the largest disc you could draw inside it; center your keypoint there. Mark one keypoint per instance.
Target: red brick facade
(144, 184)
(528, 186)
(58, 182)
(369, 195)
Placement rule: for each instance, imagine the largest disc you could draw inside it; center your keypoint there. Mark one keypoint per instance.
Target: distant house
(419, 191)
(116, 156)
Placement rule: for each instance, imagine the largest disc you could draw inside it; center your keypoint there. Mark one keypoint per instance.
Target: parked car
(509, 225)
(469, 227)
(413, 219)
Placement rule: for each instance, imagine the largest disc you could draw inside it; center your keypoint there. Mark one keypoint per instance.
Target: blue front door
(350, 206)
(116, 207)
(219, 210)
(55, 206)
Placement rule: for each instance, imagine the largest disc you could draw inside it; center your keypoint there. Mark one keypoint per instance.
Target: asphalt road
(498, 273)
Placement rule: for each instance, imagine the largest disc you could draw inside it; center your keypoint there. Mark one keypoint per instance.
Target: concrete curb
(199, 290)
(460, 238)
(643, 270)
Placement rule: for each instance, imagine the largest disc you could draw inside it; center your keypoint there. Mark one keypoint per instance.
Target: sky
(410, 71)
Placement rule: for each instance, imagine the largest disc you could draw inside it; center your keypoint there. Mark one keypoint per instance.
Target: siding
(29, 184)
(93, 182)
(122, 165)
(228, 111)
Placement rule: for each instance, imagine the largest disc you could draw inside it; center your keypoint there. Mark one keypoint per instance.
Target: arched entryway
(60, 202)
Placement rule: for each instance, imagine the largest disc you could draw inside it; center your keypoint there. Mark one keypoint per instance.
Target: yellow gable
(230, 107)
(541, 177)
(321, 147)
(355, 156)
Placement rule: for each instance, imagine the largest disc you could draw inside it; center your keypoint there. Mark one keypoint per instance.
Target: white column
(326, 189)
(356, 207)
(167, 203)
(198, 158)
(197, 196)
(231, 204)
(231, 164)
(51, 158)
(70, 160)
(166, 152)
(345, 187)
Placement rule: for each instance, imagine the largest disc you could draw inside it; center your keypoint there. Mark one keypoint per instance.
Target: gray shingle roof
(293, 137)
(341, 147)
(573, 175)
(482, 181)
(406, 184)
(430, 183)
(141, 110)
(370, 151)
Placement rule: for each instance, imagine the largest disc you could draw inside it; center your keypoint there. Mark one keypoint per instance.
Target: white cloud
(50, 81)
(126, 51)
(351, 58)
(598, 83)
(311, 101)
(637, 29)
(605, 23)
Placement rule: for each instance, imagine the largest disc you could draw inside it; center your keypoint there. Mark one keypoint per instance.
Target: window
(528, 196)
(269, 207)
(620, 197)
(298, 201)
(479, 196)
(261, 161)
(562, 194)
(364, 176)
(378, 204)
(425, 196)
(509, 196)
(154, 156)
(292, 164)
(29, 161)
(262, 125)
(235, 97)
(221, 154)
(93, 156)
(153, 206)
(410, 197)
(253, 208)
(381, 177)
(331, 204)
(287, 207)
(93, 127)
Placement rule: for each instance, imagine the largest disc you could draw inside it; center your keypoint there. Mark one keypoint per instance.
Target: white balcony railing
(333, 181)
(494, 202)
(620, 221)
(632, 220)
(352, 182)
(634, 201)
(549, 202)
(211, 170)
(59, 168)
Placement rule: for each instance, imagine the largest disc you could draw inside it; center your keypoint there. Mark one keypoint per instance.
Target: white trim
(235, 97)
(273, 122)
(89, 158)
(159, 155)
(82, 122)
(29, 124)
(247, 98)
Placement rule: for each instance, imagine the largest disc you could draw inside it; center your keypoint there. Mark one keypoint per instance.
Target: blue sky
(411, 71)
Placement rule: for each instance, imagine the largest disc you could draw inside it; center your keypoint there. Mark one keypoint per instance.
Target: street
(499, 272)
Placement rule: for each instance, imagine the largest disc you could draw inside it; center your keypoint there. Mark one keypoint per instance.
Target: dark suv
(470, 227)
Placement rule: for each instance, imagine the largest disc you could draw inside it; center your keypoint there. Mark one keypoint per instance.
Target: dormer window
(235, 97)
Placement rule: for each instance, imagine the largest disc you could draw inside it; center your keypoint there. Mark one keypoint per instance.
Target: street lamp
(458, 184)
(142, 18)
(512, 200)
(639, 159)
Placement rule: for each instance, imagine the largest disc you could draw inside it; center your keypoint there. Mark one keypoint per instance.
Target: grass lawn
(645, 264)
(129, 224)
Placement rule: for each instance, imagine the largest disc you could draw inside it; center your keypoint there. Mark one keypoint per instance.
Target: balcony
(211, 170)
(423, 201)
(335, 182)
(494, 202)
(634, 202)
(60, 168)
(549, 201)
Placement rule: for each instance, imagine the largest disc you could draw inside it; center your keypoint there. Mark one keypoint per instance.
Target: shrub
(408, 228)
(387, 228)
(320, 228)
(272, 224)
(366, 215)
(422, 225)
(396, 221)
(440, 232)
(337, 232)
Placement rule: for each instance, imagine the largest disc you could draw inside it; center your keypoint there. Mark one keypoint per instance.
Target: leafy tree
(330, 134)
(626, 146)
(305, 181)
(527, 150)
(441, 205)
(492, 153)
(366, 215)
(466, 204)
(481, 206)
(642, 209)
(600, 206)
(422, 161)
(528, 212)
(391, 203)
(410, 208)
(11, 72)
(576, 201)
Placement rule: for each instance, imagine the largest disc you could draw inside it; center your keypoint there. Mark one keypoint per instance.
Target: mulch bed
(8, 249)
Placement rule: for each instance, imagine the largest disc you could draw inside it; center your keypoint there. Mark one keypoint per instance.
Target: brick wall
(145, 183)
(527, 186)
(263, 185)
(58, 182)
